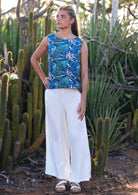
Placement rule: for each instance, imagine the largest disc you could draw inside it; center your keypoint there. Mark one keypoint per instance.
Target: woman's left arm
(84, 79)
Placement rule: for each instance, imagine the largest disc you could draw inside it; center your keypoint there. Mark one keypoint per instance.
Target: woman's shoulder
(52, 35)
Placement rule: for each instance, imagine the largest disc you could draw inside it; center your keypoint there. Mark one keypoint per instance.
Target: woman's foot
(75, 187)
(61, 186)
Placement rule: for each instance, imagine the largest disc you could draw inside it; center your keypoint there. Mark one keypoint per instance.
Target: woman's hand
(81, 109)
(45, 82)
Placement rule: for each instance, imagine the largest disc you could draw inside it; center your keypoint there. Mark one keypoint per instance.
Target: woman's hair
(72, 14)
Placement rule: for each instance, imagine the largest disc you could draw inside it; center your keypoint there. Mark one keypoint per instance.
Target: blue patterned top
(64, 62)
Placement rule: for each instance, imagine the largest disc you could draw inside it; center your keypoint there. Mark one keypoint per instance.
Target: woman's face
(63, 19)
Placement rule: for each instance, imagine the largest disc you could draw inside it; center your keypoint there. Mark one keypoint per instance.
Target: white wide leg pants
(67, 148)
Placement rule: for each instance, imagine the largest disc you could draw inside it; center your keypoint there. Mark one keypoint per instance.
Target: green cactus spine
(4, 152)
(106, 138)
(37, 123)
(99, 133)
(14, 94)
(100, 160)
(15, 124)
(35, 95)
(9, 164)
(3, 103)
(136, 132)
(20, 69)
(29, 110)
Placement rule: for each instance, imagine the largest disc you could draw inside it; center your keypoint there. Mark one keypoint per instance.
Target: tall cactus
(1, 64)
(3, 103)
(35, 34)
(29, 109)
(4, 152)
(22, 135)
(35, 95)
(100, 161)
(20, 69)
(14, 94)
(37, 123)
(99, 133)
(15, 124)
(106, 138)
(30, 27)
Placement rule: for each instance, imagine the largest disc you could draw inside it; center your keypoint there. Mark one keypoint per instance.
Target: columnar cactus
(30, 27)
(14, 94)
(15, 124)
(3, 103)
(100, 161)
(106, 138)
(99, 133)
(20, 69)
(35, 95)
(29, 109)
(1, 64)
(35, 34)
(4, 152)
(37, 123)
(22, 134)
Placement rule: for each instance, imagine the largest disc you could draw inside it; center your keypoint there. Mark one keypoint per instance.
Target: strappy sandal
(74, 187)
(58, 186)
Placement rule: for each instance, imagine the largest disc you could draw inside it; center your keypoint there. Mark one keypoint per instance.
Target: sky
(8, 4)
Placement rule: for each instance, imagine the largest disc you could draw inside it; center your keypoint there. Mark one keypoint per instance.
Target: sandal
(75, 188)
(61, 188)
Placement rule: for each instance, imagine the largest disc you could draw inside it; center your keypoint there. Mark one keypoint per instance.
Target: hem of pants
(68, 179)
(53, 174)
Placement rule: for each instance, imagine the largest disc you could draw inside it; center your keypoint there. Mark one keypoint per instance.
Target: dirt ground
(120, 176)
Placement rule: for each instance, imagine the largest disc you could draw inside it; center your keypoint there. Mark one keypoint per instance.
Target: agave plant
(103, 101)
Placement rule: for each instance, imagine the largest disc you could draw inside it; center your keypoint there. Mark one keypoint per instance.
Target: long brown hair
(72, 14)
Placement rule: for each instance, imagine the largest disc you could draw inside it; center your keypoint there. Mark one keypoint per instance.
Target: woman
(67, 148)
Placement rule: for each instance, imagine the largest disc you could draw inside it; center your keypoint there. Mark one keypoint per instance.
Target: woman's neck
(65, 34)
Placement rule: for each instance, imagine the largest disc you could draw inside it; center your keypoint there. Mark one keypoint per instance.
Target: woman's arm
(43, 47)
(84, 79)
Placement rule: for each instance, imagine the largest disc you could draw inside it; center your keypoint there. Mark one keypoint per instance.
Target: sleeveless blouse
(64, 62)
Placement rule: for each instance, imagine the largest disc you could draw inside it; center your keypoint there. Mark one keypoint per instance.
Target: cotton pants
(67, 148)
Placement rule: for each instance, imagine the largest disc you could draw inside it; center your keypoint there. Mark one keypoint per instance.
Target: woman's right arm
(43, 47)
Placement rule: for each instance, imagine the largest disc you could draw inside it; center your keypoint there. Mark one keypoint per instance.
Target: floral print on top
(64, 62)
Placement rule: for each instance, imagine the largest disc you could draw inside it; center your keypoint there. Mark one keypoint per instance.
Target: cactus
(16, 150)
(20, 102)
(25, 55)
(136, 131)
(15, 124)
(26, 118)
(35, 34)
(20, 69)
(0, 144)
(106, 138)
(35, 95)
(36, 144)
(22, 134)
(10, 142)
(14, 94)
(40, 96)
(37, 123)
(30, 27)
(1, 64)
(100, 161)
(29, 109)
(3, 103)
(4, 152)
(10, 59)
(9, 164)
(99, 133)
(91, 146)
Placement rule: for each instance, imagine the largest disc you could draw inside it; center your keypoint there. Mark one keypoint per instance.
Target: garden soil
(28, 178)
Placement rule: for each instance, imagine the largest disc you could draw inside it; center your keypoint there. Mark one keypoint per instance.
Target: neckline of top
(64, 39)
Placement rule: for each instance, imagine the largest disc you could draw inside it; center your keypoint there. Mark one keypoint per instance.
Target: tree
(114, 13)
